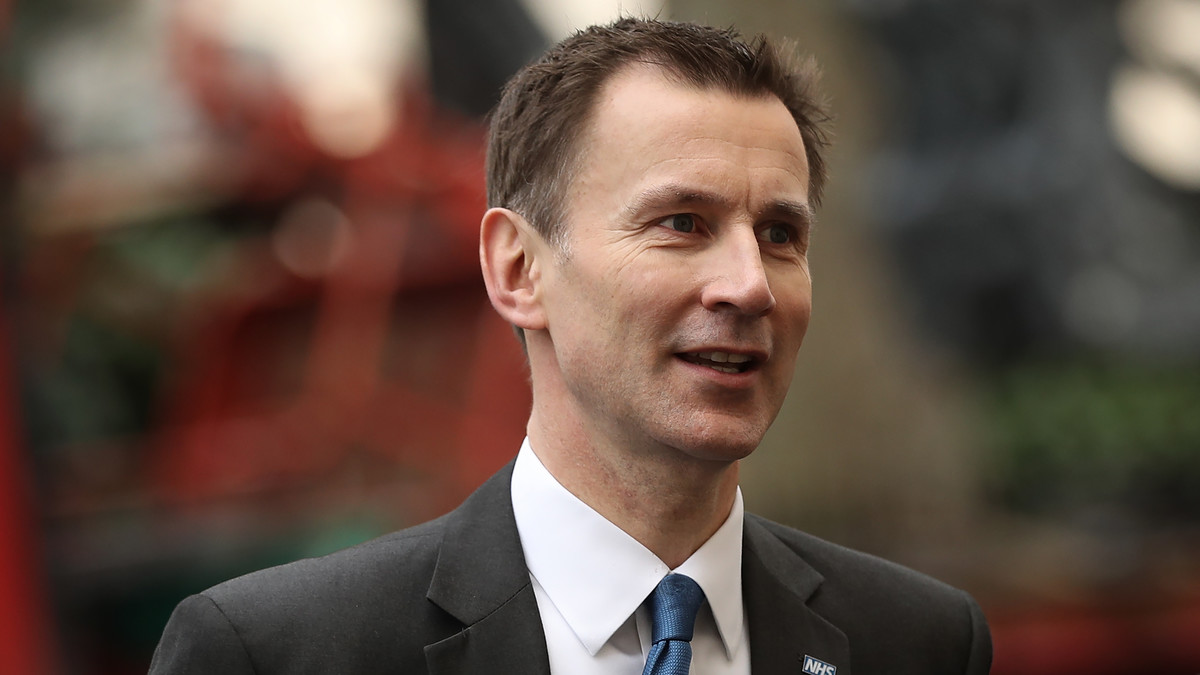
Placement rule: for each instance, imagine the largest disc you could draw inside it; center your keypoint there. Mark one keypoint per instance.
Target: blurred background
(241, 320)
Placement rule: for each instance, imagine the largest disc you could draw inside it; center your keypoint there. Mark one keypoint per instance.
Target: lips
(725, 362)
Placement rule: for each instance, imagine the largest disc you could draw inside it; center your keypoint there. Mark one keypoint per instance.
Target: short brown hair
(545, 107)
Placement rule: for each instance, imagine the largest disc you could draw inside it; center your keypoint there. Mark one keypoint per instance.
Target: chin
(729, 446)
(729, 436)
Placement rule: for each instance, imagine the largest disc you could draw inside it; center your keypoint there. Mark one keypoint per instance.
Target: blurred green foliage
(101, 378)
(1086, 435)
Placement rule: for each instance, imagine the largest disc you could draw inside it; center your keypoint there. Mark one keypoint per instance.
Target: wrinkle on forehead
(651, 133)
(615, 99)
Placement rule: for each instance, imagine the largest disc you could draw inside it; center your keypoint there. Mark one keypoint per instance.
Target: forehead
(647, 128)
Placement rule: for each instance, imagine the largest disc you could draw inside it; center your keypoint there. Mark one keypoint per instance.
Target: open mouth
(724, 362)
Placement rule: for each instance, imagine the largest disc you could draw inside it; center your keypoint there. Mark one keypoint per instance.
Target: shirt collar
(597, 575)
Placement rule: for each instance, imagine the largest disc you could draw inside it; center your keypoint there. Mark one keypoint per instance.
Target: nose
(738, 279)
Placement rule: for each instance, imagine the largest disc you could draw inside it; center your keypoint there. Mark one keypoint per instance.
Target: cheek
(637, 296)
(794, 307)
(803, 313)
(593, 317)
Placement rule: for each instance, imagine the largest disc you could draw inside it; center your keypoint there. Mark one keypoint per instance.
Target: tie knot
(673, 607)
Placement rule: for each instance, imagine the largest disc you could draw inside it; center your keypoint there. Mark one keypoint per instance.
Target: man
(652, 188)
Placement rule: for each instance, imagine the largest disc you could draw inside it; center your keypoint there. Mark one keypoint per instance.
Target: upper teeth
(724, 357)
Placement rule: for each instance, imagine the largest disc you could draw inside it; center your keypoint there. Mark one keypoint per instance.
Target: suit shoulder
(359, 606)
(390, 562)
(889, 608)
(364, 609)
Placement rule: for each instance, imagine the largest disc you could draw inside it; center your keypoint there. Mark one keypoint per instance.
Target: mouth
(724, 362)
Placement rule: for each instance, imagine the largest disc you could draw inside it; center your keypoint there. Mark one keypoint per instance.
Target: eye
(778, 233)
(681, 222)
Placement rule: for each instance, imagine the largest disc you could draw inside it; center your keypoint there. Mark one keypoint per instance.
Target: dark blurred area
(241, 319)
(1038, 191)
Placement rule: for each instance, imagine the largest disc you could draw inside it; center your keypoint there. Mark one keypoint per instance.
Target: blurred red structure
(27, 642)
(381, 343)
(26, 646)
(1119, 640)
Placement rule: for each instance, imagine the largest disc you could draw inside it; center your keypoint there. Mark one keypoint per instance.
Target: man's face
(682, 295)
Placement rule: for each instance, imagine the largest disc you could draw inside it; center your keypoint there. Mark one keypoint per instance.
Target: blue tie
(673, 607)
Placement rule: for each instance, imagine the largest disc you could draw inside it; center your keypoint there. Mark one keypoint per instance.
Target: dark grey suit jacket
(454, 596)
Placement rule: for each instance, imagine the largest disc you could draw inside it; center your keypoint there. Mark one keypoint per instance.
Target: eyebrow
(674, 194)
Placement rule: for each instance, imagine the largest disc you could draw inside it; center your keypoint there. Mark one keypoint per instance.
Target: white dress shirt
(591, 579)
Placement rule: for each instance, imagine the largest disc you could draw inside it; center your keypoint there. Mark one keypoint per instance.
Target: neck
(668, 501)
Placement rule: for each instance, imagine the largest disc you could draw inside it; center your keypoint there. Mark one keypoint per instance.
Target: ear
(510, 253)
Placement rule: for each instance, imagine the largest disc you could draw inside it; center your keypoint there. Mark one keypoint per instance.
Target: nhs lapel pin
(817, 667)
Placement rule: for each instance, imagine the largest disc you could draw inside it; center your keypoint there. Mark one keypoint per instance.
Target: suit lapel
(777, 584)
(481, 580)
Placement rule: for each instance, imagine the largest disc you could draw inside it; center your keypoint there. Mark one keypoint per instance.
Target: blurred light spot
(1163, 31)
(1156, 120)
(341, 61)
(311, 238)
(346, 114)
(1102, 305)
(560, 18)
